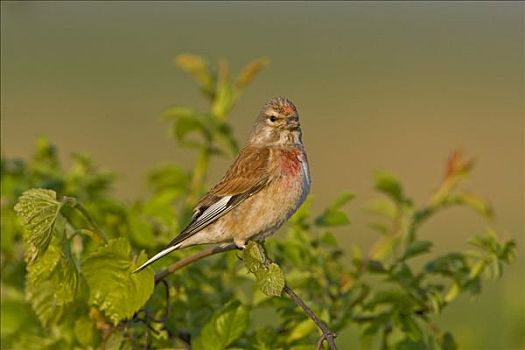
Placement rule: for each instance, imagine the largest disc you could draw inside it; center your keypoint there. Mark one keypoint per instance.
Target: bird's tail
(157, 257)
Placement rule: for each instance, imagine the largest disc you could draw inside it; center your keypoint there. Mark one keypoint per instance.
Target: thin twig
(190, 259)
(168, 302)
(327, 335)
(150, 327)
(74, 203)
(146, 340)
(167, 311)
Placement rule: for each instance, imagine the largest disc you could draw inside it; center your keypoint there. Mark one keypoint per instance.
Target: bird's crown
(281, 105)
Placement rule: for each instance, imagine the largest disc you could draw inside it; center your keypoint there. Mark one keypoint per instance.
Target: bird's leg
(240, 243)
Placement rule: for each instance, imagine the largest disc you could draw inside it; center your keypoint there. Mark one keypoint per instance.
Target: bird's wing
(248, 174)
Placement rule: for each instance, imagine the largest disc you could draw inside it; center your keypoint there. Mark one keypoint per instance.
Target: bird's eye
(273, 118)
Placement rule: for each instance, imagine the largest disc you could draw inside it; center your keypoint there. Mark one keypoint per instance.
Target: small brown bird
(264, 186)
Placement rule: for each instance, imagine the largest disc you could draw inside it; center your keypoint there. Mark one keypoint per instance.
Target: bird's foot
(241, 245)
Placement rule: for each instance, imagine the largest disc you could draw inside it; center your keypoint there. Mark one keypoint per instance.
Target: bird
(265, 185)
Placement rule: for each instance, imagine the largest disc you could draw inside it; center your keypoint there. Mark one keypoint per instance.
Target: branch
(75, 204)
(159, 276)
(327, 335)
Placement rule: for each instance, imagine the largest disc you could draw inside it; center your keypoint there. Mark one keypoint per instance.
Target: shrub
(67, 258)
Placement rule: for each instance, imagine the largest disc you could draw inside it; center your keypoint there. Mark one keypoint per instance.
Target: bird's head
(277, 124)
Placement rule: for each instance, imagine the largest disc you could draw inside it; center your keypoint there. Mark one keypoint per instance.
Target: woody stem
(190, 259)
(327, 335)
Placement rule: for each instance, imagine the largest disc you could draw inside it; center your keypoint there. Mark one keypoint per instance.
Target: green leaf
(410, 327)
(474, 202)
(198, 68)
(186, 125)
(380, 228)
(270, 280)
(223, 101)
(393, 297)
(269, 277)
(385, 247)
(402, 273)
(224, 94)
(342, 199)
(376, 266)
(328, 239)
(52, 283)
(357, 255)
(249, 72)
(85, 332)
(28, 341)
(301, 347)
(45, 152)
(15, 315)
(141, 232)
(494, 253)
(436, 301)
(446, 264)
(473, 286)
(333, 216)
(388, 184)
(301, 330)
(265, 338)
(223, 328)
(112, 286)
(453, 292)
(114, 341)
(416, 248)
(179, 112)
(38, 209)
(507, 253)
(253, 257)
(381, 206)
(409, 344)
(448, 342)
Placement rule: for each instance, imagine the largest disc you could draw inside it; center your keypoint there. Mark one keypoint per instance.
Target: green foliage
(113, 288)
(68, 249)
(268, 275)
(224, 327)
(389, 185)
(38, 208)
(51, 285)
(333, 215)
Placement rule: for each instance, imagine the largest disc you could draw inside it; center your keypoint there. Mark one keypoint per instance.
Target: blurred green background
(379, 85)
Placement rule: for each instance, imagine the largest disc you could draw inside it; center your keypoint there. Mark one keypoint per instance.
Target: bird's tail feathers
(157, 257)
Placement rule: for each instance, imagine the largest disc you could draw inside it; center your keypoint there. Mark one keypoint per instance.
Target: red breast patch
(290, 164)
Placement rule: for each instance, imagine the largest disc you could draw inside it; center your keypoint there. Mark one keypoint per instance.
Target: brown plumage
(264, 186)
(247, 175)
